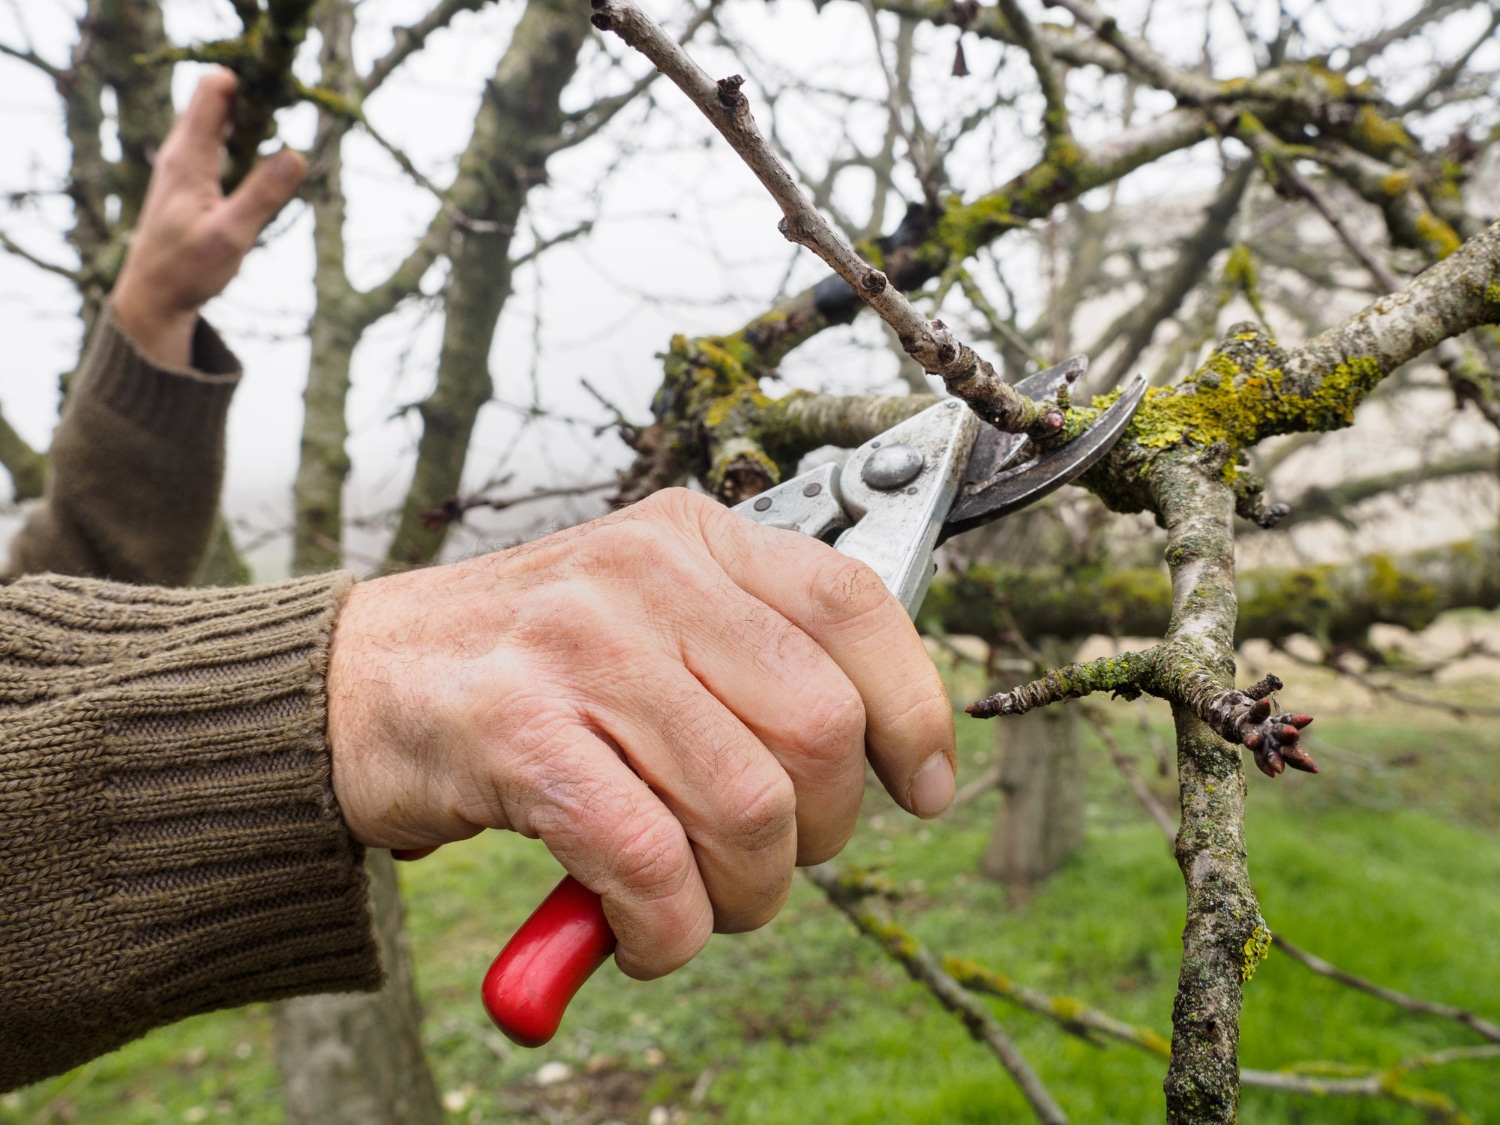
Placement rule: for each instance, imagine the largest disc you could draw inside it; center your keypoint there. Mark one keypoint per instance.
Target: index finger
(843, 606)
(192, 148)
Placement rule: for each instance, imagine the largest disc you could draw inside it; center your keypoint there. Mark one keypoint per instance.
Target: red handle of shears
(545, 963)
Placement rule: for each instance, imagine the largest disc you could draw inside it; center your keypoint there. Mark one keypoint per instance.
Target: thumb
(265, 191)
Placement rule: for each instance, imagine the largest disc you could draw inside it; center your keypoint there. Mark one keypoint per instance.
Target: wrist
(163, 336)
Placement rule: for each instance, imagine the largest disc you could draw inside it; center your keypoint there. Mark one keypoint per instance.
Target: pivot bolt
(893, 466)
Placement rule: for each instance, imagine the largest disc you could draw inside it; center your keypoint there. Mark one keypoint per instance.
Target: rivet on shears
(893, 467)
(763, 503)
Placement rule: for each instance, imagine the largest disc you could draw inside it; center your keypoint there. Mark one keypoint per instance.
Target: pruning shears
(890, 504)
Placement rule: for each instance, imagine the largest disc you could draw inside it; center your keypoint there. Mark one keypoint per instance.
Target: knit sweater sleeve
(135, 465)
(169, 838)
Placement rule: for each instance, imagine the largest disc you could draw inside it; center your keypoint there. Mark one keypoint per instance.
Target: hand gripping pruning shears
(889, 505)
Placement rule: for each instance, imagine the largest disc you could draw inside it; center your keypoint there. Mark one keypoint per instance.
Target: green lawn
(1388, 864)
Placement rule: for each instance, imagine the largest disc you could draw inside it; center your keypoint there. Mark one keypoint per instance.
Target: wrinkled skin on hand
(191, 239)
(677, 701)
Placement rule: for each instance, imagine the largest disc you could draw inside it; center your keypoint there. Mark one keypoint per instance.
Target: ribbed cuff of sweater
(172, 841)
(169, 402)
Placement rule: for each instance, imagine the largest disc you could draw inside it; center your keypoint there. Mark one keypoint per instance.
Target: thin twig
(406, 41)
(1072, 1016)
(1126, 767)
(581, 124)
(985, 782)
(541, 246)
(75, 276)
(1267, 147)
(1477, 1024)
(925, 969)
(1388, 1083)
(331, 103)
(998, 325)
(453, 509)
(1158, 744)
(31, 58)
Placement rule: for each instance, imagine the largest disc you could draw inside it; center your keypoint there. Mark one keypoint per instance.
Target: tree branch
(851, 897)
(27, 467)
(1055, 117)
(31, 58)
(1072, 602)
(13, 247)
(930, 343)
(1388, 1083)
(407, 41)
(1478, 1024)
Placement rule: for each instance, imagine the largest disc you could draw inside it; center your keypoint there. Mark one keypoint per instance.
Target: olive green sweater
(169, 838)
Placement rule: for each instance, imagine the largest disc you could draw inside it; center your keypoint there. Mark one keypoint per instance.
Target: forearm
(172, 841)
(136, 465)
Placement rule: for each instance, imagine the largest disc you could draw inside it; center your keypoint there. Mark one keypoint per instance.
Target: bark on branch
(1336, 603)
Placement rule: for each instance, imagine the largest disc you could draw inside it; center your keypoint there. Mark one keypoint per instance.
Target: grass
(1386, 864)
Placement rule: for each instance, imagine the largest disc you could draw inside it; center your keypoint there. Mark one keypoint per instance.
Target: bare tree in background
(1011, 174)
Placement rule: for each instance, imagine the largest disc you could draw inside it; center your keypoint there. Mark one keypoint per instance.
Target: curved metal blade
(1013, 489)
(995, 450)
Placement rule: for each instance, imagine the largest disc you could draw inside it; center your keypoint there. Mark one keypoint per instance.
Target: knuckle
(567, 615)
(169, 159)
(766, 815)
(833, 728)
(679, 503)
(222, 240)
(653, 862)
(845, 589)
(631, 545)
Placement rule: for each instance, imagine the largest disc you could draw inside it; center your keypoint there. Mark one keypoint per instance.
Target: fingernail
(932, 788)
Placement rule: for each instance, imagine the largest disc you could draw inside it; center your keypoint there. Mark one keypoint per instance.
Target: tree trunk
(356, 1058)
(1039, 820)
